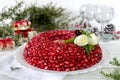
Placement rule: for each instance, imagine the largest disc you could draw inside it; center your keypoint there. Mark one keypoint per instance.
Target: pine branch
(115, 62)
(115, 74)
(44, 18)
(13, 12)
(47, 17)
(6, 31)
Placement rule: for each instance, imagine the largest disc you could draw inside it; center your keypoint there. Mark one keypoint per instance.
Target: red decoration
(21, 23)
(5, 42)
(22, 28)
(23, 32)
(1, 42)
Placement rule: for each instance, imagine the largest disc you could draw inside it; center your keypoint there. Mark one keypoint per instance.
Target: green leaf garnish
(69, 40)
(86, 33)
(88, 48)
(83, 32)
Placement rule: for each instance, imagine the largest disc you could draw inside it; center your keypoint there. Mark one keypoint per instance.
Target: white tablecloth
(7, 61)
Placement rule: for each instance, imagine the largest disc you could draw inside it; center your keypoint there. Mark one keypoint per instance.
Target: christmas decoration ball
(109, 28)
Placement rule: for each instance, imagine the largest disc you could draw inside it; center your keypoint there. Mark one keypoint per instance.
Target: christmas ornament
(109, 28)
(22, 28)
(6, 43)
(21, 25)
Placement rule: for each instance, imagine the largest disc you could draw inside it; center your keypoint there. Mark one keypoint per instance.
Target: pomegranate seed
(43, 51)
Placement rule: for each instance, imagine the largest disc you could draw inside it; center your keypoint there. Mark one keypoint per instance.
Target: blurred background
(71, 6)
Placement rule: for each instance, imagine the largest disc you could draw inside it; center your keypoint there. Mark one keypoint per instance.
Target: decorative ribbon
(21, 23)
(5, 42)
(24, 33)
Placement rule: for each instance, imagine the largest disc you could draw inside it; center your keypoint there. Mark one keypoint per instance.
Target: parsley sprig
(86, 33)
(88, 48)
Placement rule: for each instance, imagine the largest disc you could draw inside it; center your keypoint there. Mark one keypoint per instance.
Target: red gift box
(24, 33)
(21, 25)
(6, 43)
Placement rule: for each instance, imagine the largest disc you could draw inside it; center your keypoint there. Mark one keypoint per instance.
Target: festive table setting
(40, 47)
(24, 73)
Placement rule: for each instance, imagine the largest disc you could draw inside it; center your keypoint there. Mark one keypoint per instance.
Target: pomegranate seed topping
(46, 52)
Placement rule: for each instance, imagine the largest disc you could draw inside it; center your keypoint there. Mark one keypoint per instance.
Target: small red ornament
(4, 43)
(23, 32)
(21, 23)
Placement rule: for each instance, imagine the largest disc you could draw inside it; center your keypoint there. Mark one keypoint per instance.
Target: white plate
(20, 59)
